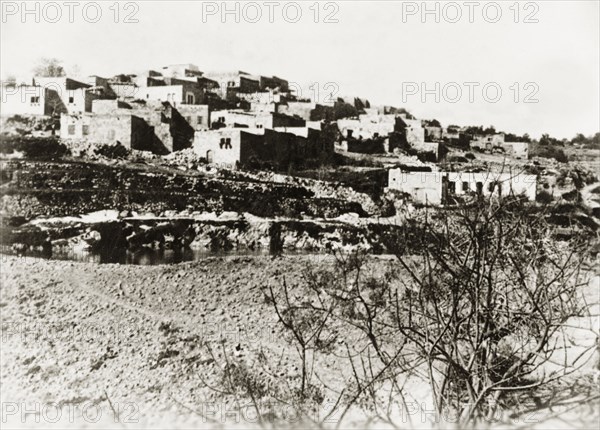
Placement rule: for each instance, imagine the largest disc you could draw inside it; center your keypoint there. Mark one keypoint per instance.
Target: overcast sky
(382, 51)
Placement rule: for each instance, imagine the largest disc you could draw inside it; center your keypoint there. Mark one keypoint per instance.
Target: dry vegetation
(492, 321)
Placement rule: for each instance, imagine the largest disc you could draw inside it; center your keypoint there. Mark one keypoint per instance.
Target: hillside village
(232, 187)
(255, 128)
(236, 120)
(317, 215)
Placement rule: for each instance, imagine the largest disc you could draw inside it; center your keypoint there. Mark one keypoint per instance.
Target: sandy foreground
(77, 334)
(116, 346)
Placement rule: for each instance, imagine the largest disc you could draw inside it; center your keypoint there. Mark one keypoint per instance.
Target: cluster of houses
(232, 118)
(436, 187)
(375, 131)
(236, 119)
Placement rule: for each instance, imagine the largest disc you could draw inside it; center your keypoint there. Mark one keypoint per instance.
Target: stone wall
(282, 150)
(197, 116)
(98, 129)
(301, 109)
(60, 189)
(220, 147)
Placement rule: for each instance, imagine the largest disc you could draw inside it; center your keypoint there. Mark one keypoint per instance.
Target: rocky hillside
(41, 188)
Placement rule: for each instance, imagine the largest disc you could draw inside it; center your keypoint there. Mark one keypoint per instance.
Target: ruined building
(437, 188)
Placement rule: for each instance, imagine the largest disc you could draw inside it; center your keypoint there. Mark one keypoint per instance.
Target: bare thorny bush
(260, 392)
(486, 308)
(480, 311)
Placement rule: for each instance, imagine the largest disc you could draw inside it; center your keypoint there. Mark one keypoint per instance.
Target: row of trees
(579, 139)
(545, 139)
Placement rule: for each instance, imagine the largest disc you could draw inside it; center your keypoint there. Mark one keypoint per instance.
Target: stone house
(181, 70)
(184, 92)
(413, 134)
(303, 109)
(433, 133)
(367, 126)
(47, 96)
(232, 83)
(100, 86)
(265, 120)
(423, 187)
(273, 82)
(124, 90)
(519, 150)
(223, 147)
(158, 128)
(496, 143)
(197, 116)
(489, 183)
(179, 85)
(263, 101)
(239, 147)
(75, 96)
(30, 100)
(487, 142)
(124, 128)
(300, 131)
(439, 187)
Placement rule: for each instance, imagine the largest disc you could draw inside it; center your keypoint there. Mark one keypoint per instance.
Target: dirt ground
(122, 346)
(78, 334)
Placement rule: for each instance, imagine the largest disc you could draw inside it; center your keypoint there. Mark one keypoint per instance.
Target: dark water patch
(142, 256)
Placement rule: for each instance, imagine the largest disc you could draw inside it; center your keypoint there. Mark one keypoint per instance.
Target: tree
(588, 141)
(510, 137)
(546, 139)
(306, 327)
(432, 123)
(11, 80)
(479, 130)
(545, 150)
(579, 138)
(49, 67)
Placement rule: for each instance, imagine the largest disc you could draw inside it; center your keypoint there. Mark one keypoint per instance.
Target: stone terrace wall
(32, 189)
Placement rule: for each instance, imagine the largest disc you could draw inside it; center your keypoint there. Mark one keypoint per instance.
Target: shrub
(33, 147)
(572, 196)
(457, 159)
(112, 151)
(544, 197)
(549, 151)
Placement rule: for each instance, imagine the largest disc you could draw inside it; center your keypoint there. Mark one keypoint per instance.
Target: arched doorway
(209, 156)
